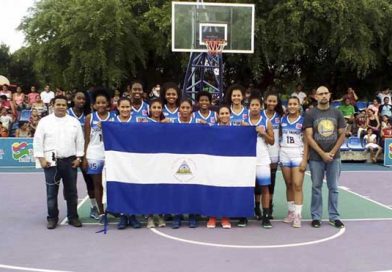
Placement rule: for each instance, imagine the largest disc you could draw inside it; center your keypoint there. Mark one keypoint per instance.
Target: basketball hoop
(215, 46)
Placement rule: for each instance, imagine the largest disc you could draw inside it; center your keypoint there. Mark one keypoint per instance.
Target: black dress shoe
(52, 224)
(75, 222)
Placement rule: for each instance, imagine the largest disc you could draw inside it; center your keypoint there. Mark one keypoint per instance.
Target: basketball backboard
(193, 22)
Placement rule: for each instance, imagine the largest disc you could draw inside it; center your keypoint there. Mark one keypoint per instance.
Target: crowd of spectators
(21, 111)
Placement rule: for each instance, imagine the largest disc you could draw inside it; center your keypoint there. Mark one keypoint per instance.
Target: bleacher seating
(336, 104)
(362, 105)
(355, 144)
(25, 115)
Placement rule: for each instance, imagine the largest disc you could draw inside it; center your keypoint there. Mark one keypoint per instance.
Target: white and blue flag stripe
(206, 170)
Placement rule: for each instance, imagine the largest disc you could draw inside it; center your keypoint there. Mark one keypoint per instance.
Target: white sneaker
(289, 218)
(297, 221)
(150, 222)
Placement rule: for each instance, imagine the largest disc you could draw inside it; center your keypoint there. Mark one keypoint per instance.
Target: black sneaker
(336, 223)
(266, 223)
(52, 224)
(75, 222)
(243, 222)
(316, 223)
(258, 213)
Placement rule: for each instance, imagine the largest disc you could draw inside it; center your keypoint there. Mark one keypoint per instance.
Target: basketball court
(364, 245)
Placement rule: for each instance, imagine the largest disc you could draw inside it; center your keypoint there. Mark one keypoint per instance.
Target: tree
(4, 59)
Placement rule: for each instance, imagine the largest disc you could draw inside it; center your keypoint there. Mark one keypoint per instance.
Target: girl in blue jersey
(185, 117)
(223, 120)
(79, 109)
(204, 113)
(263, 174)
(273, 111)
(171, 100)
(124, 116)
(185, 113)
(293, 159)
(140, 108)
(235, 95)
(94, 150)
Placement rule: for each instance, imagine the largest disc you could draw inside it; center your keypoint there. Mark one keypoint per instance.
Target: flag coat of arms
(175, 168)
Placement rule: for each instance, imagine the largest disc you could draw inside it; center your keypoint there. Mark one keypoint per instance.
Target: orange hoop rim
(215, 46)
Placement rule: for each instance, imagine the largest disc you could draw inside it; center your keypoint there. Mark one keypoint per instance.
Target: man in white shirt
(59, 146)
(386, 92)
(299, 93)
(47, 95)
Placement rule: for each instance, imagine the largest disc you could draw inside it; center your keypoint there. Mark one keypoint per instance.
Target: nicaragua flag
(175, 168)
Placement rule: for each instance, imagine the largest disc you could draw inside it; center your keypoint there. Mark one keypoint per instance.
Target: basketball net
(215, 46)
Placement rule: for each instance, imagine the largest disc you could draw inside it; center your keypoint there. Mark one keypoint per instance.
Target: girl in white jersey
(223, 120)
(273, 111)
(263, 174)
(94, 150)
(293, 159)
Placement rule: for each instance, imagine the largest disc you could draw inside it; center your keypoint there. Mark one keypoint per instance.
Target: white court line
(79, 205)
(20, 268)
(341, 231)
(354, 193)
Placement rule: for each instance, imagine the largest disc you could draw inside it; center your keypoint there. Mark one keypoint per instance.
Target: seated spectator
(116, 97)
(35, 117)
(371, 144)
(23, 131)
(5, 118)
(360, 122)
(375, 106)
(386, 108)
(40, 106)
(59, 91)
(4, 102)
(299, 93)
(25, 104)
(373, 122)
(347, 110)
(384, 121)
(4, 91)
(32, 96)
(386, 132)
(18, 98)
(3, 130)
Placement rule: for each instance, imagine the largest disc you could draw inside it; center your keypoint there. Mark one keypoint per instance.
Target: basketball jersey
(237, 119)
(210, 119)
(171, 115)
(178, 121)
(142, 111)
(262, 155)
(275, 122)
(81, 118)
(292, 133)
(118, 120)
(95, 149)
(150, 120)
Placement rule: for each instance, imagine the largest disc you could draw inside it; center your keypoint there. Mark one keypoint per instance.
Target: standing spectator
(386, 108)
(18, 98)
(59, 91)
(299, 93)
(32, 95)
(23, 131)
(386, 92)
(375, 106)
(155, 92)
(58, 145)
(47, 95)
(6, 92)
(114, 100)
(325, 133)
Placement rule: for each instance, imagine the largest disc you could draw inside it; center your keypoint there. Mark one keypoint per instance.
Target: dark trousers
(63, 171)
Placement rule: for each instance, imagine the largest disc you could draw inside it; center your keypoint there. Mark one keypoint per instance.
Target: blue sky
(12, 12)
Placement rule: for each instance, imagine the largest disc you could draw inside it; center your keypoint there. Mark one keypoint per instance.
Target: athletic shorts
(290, 157)
(263, 175)
(95, 167)
(274, 153)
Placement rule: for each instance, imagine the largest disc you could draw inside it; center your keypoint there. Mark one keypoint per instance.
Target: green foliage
(4, 60)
